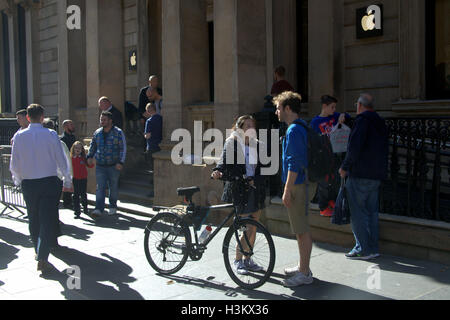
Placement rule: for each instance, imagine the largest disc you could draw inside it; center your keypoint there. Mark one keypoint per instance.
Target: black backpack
(320, 154)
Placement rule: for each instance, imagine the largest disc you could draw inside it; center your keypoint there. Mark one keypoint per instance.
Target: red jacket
(79, 165)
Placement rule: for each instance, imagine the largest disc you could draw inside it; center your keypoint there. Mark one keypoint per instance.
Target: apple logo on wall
(371, 21)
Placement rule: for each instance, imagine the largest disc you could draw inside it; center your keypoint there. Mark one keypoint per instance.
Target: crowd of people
(47, 166)
(361, 166)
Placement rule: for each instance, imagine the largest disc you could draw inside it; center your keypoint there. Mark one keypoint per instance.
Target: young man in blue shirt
(298, 190)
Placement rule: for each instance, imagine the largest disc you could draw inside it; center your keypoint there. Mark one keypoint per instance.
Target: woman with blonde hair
(240, 169)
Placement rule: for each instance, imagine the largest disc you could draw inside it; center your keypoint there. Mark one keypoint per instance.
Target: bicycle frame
(237, 218)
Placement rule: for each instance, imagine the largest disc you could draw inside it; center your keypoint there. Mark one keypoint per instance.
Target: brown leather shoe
(44, 266)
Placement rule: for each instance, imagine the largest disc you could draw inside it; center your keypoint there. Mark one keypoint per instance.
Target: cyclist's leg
(251, 235)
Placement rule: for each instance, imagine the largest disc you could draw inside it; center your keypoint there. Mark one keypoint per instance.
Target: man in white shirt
(36, 157)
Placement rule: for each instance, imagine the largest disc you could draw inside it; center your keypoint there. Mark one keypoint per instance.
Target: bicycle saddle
(188, 192)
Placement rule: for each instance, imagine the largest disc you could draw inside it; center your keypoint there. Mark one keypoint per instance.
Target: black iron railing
(8, 127)
(419, 167)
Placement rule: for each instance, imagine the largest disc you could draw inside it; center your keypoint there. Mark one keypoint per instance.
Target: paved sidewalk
(111, 258)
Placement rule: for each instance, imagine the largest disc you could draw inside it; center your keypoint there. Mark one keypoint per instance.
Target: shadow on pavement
(323, 290)
(120, 222)
(228, 291)
(319, 290)
(8, 254)
(75, 232)
(15, 238)
(100, 279)
(434, 270)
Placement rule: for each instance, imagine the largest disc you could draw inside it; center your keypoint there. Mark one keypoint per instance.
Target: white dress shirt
(37, 153)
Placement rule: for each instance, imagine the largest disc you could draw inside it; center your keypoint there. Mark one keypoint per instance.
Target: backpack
(320, 154)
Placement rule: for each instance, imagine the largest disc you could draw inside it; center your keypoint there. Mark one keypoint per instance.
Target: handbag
(341, 214)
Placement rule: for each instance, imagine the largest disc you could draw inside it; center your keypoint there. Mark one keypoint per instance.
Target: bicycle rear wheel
(167, 243)
(257, 255)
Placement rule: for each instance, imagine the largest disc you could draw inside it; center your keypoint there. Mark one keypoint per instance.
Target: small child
(80, 173)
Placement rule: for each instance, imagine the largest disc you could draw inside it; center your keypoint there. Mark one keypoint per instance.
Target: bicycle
(168, 242)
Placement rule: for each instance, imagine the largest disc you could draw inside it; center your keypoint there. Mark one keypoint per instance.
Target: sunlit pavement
(106, 260)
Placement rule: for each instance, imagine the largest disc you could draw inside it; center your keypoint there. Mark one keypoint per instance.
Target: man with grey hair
(365, 166)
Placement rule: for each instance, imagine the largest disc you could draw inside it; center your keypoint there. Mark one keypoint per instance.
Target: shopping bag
(341, 214)
(339, 136)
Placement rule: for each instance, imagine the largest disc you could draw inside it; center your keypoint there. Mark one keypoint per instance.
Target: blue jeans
(106, 177)
(363, 200)
(42, 199)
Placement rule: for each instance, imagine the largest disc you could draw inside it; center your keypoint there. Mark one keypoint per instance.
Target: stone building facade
(219, 55)
(215, 60)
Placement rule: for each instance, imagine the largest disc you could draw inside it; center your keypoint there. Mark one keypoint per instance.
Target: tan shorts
(298, 212)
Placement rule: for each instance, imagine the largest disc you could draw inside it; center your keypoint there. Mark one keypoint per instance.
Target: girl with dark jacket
(244, 186)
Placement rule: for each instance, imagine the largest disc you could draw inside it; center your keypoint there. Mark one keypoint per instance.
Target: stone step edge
(136, 209)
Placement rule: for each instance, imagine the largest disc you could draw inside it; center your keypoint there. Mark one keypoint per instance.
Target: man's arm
(14, 166)
(290, 183)
(122, 147)
(61, 160)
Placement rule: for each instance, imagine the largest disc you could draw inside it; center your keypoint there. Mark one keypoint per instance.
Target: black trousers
(67, 199)
(79, 194)
(42, 197)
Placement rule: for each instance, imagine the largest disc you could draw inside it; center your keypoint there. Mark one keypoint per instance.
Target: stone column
(240, 59)
(63, 64)
(105, 57)
(185, 60)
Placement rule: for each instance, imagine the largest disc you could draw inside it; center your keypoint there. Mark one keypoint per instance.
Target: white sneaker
(299, 279)
(112, 211)
(240, 267)
(292, 271)
(252, 265)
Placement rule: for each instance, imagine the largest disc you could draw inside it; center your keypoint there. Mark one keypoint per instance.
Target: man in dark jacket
(68, 136)
(105, 105)
(365, 166)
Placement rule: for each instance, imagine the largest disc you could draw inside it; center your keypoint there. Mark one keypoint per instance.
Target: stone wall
(400, 236)
(130, 42)
(48, 52)
(371, 64)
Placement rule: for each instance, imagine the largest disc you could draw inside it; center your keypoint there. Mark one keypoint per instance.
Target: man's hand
(287, 200)
(343, 173)
(90, 161)
(119, 167)
(342, 118)
(216, 175)
(147, 136)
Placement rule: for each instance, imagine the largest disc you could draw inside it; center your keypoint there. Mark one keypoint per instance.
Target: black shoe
(77, 215)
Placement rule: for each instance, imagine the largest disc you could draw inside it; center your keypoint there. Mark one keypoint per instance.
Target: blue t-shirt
(324, 125)
(295, 152)
(154, 126)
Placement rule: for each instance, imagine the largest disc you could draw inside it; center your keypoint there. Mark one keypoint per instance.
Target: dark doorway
(6, 77)
(211, 60)
(155, 38)
(437, 61)
(302, 48)
(23, 74)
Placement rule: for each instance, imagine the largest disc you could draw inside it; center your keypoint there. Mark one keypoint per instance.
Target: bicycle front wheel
(167, 243)
(249, 254)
